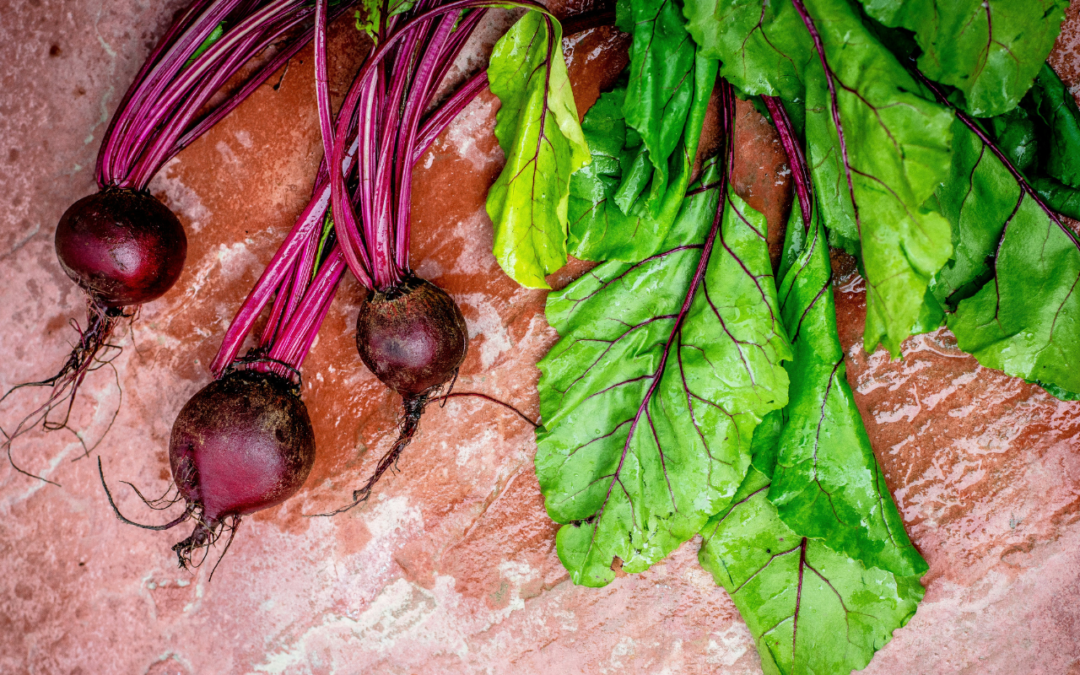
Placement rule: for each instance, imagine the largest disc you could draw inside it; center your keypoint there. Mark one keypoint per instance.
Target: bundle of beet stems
(121, 245)
(245, 442)
(409, 332)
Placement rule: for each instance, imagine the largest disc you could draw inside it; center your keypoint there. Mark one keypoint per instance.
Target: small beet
(241, 444)
(412, 336)
(123, 247)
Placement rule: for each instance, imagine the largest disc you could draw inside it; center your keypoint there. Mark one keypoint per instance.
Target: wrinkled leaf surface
(762, 45)
(650, 398)
(991, 50)
(810, 609)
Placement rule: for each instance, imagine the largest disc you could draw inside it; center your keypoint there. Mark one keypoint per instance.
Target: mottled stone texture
(451, 568)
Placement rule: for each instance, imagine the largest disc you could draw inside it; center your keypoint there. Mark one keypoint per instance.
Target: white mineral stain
(728, 646)
(622, 652)
(180, 199)
(429, 269)
(467, 452)
(227, 154)
(470, 126)
(393, 516)
(489, 323)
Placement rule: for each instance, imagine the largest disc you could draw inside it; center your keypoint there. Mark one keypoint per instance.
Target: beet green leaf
(878, 149)
(538, 130)
(826, 482)
(978, 197)
(651, 396)
(763, 46)
(991, 50)
(1026, 322)
(661, 89)
(1016, 136)
(1056, 107)
(1062, 198)
(1025, 318)
(369, 19)
(1041, 138)
(809, 608)
(877, 145)
(600, 229)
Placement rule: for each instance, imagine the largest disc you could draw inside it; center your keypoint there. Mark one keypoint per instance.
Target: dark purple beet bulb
(123, 247)
(412, 336)
(241, 444)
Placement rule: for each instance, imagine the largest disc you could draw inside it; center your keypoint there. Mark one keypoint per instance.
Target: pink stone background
(451, 569)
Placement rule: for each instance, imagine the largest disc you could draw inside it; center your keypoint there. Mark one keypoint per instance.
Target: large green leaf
(538, 130)
(991, 50)
(827, 483)
(762, 45)
(661, 87)
(811, 610)
(978, 198)
(1026, 321)
(650, 398)
(876, 168)
(599, 228)
(874, 186)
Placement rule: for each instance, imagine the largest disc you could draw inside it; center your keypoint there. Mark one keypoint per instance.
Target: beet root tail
(202, 538)
(410, 424)
(85, 357)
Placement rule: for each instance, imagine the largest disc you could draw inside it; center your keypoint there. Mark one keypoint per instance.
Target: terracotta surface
(451, 569)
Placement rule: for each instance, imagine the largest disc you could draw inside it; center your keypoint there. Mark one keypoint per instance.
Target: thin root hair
(492, 399)
(189, 512)
(193, 551)
(410, 423)
(92, 352)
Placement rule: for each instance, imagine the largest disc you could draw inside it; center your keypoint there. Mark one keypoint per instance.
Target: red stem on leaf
(800, 171)
(989, 143)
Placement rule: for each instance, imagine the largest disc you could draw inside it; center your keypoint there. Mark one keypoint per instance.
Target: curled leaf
(538, 130)
(661, 87)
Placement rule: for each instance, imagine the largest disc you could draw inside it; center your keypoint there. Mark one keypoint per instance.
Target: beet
(241, 444)
(122, 246)
(412, 336)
